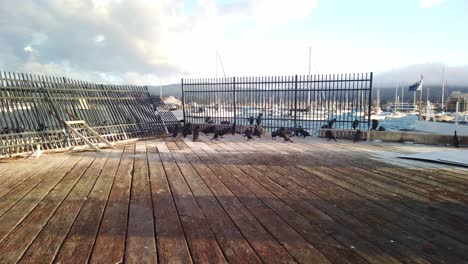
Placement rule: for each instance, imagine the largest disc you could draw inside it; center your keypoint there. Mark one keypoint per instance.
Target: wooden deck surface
(232, 201)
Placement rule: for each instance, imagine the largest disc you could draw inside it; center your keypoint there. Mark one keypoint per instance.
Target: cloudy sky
(160, 41)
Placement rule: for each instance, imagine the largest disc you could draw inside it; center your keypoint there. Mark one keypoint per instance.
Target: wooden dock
(233, 201)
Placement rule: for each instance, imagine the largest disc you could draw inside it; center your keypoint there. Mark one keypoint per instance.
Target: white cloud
(99, 38)
(154, 42)
(28, 49)
(38, 38)
(269, 14)
(145, 40)
(429, 3)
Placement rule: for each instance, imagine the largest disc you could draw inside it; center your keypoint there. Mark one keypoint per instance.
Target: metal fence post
(295, 101)
(183, 99)
(369, 105)
(235, 102)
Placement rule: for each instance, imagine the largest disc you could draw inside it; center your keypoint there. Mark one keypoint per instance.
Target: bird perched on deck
(456, 140)
(357, 136)
(209, 129)
(305, 133)
(286, 137)
(257, 132)
(233, 129)
(216, 135)
(355, 123)
(259, 119)
(196, 133)
(209, 120)
(329, 135)
(186, 130)
(223, 131)
(302, 132)
(375, 124)
(251, 120)
(273, 134)
(248, 133)
(175, 131)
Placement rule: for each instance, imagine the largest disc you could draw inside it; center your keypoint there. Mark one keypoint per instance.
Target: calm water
(397, 124)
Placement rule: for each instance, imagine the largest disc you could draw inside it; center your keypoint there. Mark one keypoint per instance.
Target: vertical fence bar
(295, 101)
(183, 99)
(234, 101)
(370, 102)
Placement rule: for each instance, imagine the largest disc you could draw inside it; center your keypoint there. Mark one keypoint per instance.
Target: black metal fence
(33, 108)
(282, 101)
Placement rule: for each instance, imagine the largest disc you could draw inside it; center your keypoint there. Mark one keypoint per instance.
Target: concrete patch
(452, 157)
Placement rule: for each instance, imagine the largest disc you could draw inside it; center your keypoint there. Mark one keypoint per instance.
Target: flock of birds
(258, 131)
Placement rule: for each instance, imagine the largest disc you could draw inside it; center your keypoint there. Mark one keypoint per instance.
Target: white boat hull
(377, 117)
(441, 128)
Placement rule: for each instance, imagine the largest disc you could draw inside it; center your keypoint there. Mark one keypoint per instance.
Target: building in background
(172, 102)
(461, 98)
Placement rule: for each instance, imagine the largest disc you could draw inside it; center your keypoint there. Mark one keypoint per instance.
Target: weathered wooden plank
(303, 214)
(18, 174)
(417, 211)
(441, 183)
(18, 192)
(353, 233)
(80, 240)
(140, 242)
(301, 250)
(421, 192)
(234, 246)
(389, 223)
(171, 243)
(266, 247)
(264, 173)
(18, 240)
(21, 209)
(203, 245)
(454, 202)
(422, 212)
(110, 242)
(403, 229)
(46, 245)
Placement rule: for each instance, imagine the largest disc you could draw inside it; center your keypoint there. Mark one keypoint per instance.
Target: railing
(283, 101)
(34, 107)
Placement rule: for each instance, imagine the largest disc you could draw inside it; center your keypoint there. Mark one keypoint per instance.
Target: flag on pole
(417, 86)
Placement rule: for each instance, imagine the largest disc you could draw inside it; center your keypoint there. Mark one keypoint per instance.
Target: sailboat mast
(377, 101)
(402, 97)
(420, 100)
(396, 95)
(443, 88)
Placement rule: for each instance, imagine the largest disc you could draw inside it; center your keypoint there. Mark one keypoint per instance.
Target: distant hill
(432, 72)
(456, 80)
(387, 94)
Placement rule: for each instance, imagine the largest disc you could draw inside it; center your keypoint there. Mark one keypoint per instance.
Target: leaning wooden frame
(34, 109)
